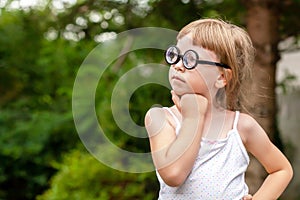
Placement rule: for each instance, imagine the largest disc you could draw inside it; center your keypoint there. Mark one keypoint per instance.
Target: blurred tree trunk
(262, 23)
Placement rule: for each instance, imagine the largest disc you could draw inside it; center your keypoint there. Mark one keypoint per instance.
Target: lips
(175, 77)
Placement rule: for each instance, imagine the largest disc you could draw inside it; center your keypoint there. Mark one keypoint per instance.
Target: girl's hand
(190, 105)
(247, 197)
(176, 100)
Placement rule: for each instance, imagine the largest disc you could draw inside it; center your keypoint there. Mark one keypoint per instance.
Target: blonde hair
(233, 47)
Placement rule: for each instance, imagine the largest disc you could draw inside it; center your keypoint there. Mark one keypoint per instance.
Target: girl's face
(199, 80)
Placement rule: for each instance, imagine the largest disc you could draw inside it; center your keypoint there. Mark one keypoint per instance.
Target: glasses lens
(172, 55)
(190, 59)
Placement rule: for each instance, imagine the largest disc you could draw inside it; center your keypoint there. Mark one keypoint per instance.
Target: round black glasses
(190, 58)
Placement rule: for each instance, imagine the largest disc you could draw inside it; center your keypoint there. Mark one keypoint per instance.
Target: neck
(215, 119)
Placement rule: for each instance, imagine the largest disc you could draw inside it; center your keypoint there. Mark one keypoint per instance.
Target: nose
(179, 66)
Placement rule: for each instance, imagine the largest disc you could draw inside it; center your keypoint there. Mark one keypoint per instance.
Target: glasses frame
(182, 57)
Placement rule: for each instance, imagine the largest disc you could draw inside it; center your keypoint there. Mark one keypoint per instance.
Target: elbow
(173, 178)
(173, 182)
(290, 172)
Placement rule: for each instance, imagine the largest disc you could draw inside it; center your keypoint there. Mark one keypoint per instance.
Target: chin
(180, 92)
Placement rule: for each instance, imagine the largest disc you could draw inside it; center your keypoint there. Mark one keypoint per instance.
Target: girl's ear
(223, 78)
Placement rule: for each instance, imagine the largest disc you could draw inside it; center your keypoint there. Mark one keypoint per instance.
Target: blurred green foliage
(81, 176)
(36, 122)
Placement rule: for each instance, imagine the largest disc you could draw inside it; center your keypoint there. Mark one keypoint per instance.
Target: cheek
(171, 72)
(209, 75)
(203, 80)
(197, 83)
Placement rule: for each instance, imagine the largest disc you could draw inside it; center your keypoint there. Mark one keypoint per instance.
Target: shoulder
(159, 113)
(159, 128)
(155, 119)
(154, 113)
(246, 122)
(248, 127)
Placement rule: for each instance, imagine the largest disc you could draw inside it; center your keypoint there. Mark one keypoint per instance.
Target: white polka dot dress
(218, 172)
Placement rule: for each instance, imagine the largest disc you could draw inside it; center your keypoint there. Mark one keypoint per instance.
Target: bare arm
(275, 163)
(174, 156)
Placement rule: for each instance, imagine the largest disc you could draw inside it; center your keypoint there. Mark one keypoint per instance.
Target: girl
(199, 146)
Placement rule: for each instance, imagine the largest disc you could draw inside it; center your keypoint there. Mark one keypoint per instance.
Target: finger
(176, 100)
(247, 197)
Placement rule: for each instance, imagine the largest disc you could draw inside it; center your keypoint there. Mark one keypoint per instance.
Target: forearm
(274, 185)
(186, 146)
(175, 158)
(178, 158)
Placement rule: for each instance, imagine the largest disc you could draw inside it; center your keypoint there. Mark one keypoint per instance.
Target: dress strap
(236, 119)
(175, 118)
